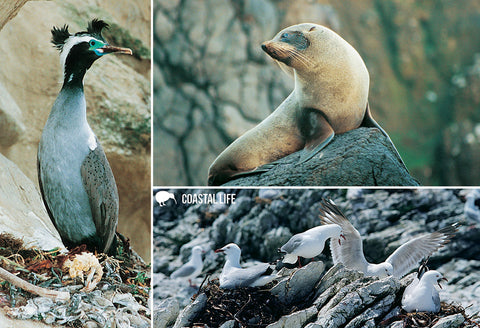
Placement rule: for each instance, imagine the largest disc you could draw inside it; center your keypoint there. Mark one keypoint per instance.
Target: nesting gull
(234, 276)
(399, 263)
(421, 295)
(310, 243)
(192, 268)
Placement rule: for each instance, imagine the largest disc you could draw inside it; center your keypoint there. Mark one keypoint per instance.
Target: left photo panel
(75, 163)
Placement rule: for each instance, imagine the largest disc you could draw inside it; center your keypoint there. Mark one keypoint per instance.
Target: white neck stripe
(69, 43)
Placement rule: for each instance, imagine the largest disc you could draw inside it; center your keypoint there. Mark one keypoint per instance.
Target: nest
(125, 273)
(429, 319)
(248, 307)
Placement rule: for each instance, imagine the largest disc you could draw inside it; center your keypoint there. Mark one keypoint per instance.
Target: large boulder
(22, 213)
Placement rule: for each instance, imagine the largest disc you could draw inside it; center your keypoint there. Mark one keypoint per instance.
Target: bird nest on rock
(429, 319)
(80, 286)
(247, 306)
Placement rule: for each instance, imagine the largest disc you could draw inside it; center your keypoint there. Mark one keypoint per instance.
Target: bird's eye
(285, 35)
(92, 42)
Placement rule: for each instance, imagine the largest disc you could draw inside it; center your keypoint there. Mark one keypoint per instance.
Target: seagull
(399, 263)
(310, 243)
(234, 276)
(192, 268)
(421, 270)
(471, 209)
(421, 295)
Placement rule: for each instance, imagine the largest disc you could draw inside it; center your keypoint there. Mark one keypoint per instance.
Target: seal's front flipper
(228, 175)
(369, 122)
(317, 132)
(261, 169)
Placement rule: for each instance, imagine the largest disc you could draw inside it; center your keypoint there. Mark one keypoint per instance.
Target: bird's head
(383, 269)
(78, 51)
(231, 250)
(434, 276)
(197, 250)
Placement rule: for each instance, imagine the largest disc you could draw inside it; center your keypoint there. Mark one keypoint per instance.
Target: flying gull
(399, 263)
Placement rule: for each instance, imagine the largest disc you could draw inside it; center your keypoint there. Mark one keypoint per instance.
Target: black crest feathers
(59, 36)
(96, 26)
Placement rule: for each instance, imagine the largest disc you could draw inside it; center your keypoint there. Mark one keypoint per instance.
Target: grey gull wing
(351, 249)
(184, 271)
(407, 256)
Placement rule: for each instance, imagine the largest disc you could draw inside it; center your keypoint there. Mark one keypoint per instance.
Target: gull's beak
(220, 250)
(108, 49)
(441, 280)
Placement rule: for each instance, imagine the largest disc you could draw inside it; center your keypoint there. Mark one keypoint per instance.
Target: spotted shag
(76, 181)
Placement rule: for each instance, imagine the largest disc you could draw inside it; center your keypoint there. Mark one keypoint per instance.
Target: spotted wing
(102, 192)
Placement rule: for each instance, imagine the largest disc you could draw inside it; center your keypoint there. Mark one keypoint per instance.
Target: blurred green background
(212, 81)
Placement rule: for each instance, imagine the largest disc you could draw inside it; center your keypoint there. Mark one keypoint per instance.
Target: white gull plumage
(471, 210)
(399, 263)
(234, 276)
(310, 243)
(192, 268)
(421, 295)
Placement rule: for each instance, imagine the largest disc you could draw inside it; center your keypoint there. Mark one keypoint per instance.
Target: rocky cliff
(260, 221)
(117, 91)
(212, 82)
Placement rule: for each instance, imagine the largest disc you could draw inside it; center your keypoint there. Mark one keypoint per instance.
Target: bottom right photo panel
(287, 257)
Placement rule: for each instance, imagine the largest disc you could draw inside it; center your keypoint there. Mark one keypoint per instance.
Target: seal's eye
(92, 43)
(285, 36)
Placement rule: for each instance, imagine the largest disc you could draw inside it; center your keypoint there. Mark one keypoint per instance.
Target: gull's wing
(238, 277)
(292, 244)
(184, 271)
(436, 299)
(350, 252)
(407, 256)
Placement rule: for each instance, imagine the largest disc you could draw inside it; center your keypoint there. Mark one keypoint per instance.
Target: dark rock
(362, 157)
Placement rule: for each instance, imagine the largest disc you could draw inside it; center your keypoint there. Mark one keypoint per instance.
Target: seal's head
(329, 73)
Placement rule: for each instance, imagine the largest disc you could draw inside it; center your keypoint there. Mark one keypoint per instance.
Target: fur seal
(330, 96)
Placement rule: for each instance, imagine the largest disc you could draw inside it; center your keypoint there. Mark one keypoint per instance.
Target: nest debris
(125, 283)
(429, 319)
(249, 307)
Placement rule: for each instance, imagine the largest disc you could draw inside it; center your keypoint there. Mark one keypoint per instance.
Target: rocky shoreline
(260, 220)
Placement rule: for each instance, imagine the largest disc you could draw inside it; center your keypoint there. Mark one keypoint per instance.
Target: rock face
(260, 221)
(22, 213)
(8, 10)
(363, 157)
(212, 82)
(117, 91)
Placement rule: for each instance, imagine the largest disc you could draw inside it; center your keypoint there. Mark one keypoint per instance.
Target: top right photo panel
(316, 93)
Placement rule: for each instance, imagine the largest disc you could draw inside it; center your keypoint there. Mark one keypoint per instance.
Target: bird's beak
(220, 250)
(441, 280)
(340, 241)
(108, 49)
